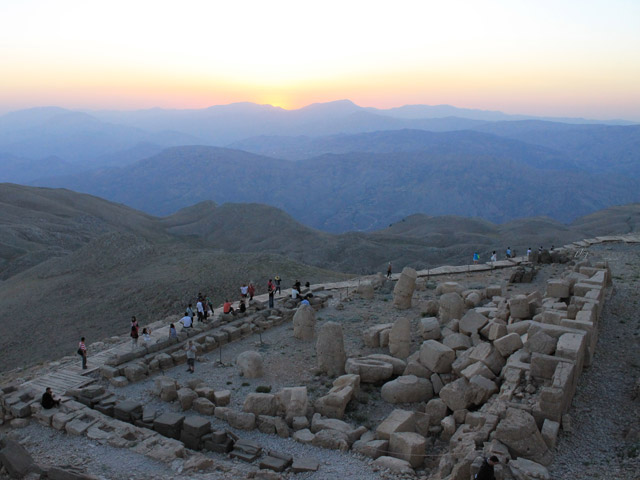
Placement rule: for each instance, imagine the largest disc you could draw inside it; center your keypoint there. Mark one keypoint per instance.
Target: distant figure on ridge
(476, 258)
(146, 336)
(278, 280)
(82, 351)
(508, 252)
(529, 253)
(251, 290)
(270, 288)
(48, 401)
(173, 333)
(244, 291)
(389, 270)
(189, 311)
(134, 333)
(494, 256)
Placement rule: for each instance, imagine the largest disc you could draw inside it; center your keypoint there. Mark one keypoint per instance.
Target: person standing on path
(189, 311)
(494, 257)
(252, 291)
(278, 281)
(508, 252)
(270, 289)
(389, 270)
(191, 356)
(200, 309)
(134, 333)
(82, 350)
(476, 258)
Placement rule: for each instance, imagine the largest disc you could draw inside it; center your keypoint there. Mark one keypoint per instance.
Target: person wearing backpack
(134, 333)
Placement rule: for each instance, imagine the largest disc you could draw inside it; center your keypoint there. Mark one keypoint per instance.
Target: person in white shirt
(186, 321)
(200, 309)
(294, 293)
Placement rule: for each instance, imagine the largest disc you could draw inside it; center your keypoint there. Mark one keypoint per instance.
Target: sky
(538, 57)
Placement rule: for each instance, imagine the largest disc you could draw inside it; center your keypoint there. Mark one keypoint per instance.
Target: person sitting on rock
(172, 331)
(186, 321)
(48, 400)
(227, 308)
(486, 470)
(242, 307)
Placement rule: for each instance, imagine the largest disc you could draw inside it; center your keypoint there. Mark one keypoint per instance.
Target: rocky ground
(605, 438)
(603, 443)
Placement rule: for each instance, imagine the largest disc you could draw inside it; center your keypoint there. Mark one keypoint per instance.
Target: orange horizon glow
(574, 59)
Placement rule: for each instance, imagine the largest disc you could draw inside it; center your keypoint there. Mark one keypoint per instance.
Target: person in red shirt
(252, 291)
(227, 308)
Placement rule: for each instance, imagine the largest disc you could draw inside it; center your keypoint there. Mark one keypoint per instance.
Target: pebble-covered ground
(605, 438)
(603, 443)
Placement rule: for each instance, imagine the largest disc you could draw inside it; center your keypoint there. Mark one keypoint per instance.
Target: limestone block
(472, 299)
(429, 308)
(295, 400)
(330, 351)
(478, 368)
(403, 291)
(366, 291)
(408, 446)
(119, 381)
(430, 328)
(261, 404)
(397, 421)
(135, 372)
(571, 346)
(169, 424)
(526, 469)
(304, 323)
(436, 356)
(549, 432)
(496, 330)
(241, 420)
(494, 291)
(451, 306)
(186, 396)
(331, 439)
(318, 422)
(304, 436)
(400, 338)
(519, 307)
(250, 364)
(335, 402)
(508, 344)
(436, 409)
(437, 383)
(472, 322)
(487, 354)
(222, 398)
(457, 395)
(203, 405)
(414, 367)
(407, 389)
(196, 426)
(371, 448)
(206, 392)
(395, 465)
(558, 288)
(481, 388)
(518, 431)
(457, 341)
(371, 335)
(370, 370)
(542, 343)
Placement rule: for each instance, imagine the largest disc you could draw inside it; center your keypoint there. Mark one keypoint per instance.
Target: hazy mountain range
(335, 166)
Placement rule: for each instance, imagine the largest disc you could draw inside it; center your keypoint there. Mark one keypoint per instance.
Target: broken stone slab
(472, 322)
(518, 431)
(304, 464)
(241, 420)
(371, 448)
(16, 459)
(436, 356)
(371, 335)
(395, 465)
(457, 341)
(169, 424)
(397, 421)
(508, 344)
(331, 440)
(407, 389)
(408, 446)
(203, 406)
(196, 426)
(370, 370)
(261, 404)
(429, 328)
(303, 436)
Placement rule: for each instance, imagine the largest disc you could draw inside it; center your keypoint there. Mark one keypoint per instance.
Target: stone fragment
(222, 398)
(451, 306)
(519, 307)
(397, 421)
(457, 394)
(250, 364)
(203, 406)
(261, 404)
(303, 436)
(403, 291)
(15, 459)
(169, 424)
(457, 341)
(436, 356)
(304, 322)
(330, 351)
(472, 322)
(186, 396)
(395, 465)
(526, 469)
(408, 446)
(370, 370)
(335, 402)
(518, 431)
(400, 338)
(295, 401)
(430, 328)
(508, 344)
(542, 343)
(407, 389)
(550, 430)
(487, 354)
(241, 420)
(304, 464)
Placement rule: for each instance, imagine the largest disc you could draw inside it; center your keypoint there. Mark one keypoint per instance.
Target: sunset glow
(571, 58)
